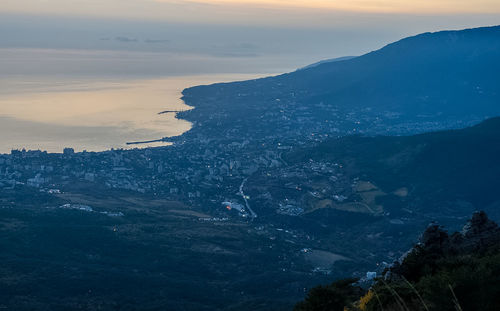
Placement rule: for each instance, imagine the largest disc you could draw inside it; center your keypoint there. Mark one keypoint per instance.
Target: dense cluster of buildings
(227, 144)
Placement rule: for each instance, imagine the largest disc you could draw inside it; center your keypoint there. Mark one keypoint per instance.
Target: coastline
(152, 113)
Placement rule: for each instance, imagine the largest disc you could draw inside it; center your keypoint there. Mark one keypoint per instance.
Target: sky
(233, 10)
(243, 36)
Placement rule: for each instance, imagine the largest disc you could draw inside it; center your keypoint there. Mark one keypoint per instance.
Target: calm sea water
(92, 114)
(96, 100)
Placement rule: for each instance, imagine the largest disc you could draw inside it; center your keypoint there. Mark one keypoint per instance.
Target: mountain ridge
(431, 81)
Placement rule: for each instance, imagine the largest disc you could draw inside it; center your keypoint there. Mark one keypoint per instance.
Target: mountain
(431, 81)
(451, 72)
(332, 60)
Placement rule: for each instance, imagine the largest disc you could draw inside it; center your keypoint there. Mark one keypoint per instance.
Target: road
(252, 213)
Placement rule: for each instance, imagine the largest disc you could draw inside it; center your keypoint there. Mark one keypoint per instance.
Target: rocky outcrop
(477, 236)
(435, 239)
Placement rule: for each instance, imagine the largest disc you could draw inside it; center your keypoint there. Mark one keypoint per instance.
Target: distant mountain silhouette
(431, 81)
(452, 72)
(332, 60)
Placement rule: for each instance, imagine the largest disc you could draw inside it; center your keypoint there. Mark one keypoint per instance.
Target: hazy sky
(281, 12)
(215, 35)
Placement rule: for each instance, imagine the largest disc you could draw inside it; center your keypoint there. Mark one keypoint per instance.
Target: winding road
(252, 213)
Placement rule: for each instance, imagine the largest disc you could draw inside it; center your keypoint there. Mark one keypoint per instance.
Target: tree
(333, 297)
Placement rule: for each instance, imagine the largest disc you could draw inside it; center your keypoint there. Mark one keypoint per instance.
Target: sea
(96, 101)
(95, 115)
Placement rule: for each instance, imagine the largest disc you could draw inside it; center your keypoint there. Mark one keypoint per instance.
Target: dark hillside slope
(456, 168)
(449, 71)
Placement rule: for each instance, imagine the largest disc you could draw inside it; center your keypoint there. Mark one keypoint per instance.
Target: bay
(46, 113)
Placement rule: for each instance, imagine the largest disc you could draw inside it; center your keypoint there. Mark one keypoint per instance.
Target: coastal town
(199, 177)
(221, 155)
(247, 175)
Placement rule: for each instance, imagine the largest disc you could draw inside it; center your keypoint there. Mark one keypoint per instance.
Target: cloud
(125, 39)
(378, 6)
(133, 40)
(155, 41)
(201, 10)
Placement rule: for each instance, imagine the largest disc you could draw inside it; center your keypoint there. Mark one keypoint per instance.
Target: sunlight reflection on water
(94, 116)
